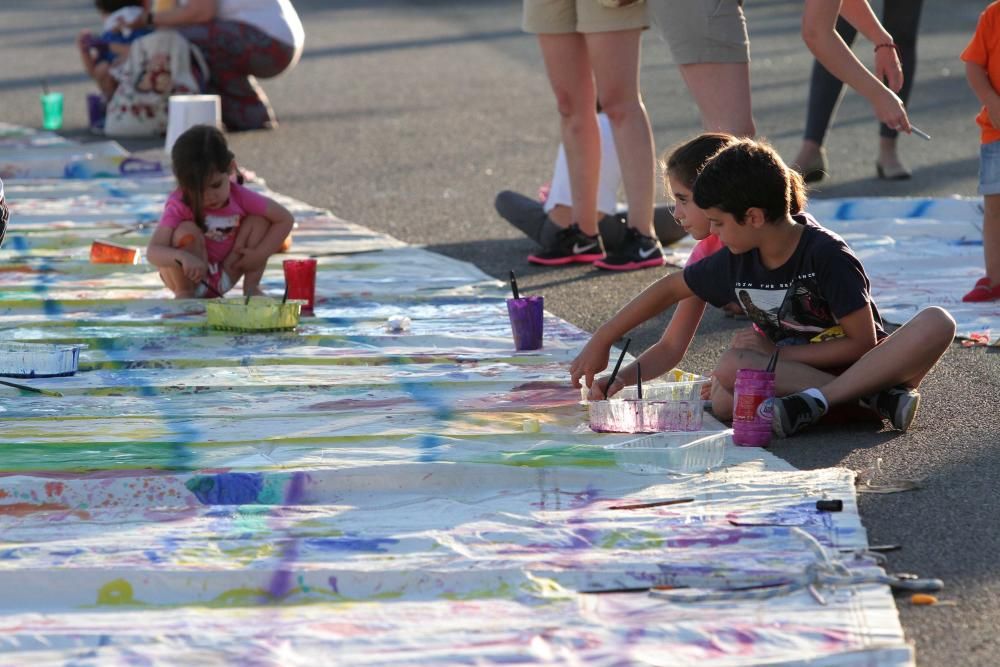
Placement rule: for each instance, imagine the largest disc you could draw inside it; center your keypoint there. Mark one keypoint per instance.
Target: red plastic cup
(752, 413)
(526, 321)
(300, 279)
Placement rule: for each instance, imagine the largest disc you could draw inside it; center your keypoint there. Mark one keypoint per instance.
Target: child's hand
(592, 360)
(195, 269)
(750, 339)
(993, 110)
(600, 390)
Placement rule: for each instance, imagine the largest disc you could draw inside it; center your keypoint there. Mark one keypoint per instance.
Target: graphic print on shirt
(220, 228)
(787, 311)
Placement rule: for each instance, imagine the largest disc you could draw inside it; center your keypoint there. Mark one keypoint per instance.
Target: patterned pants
(237, 54)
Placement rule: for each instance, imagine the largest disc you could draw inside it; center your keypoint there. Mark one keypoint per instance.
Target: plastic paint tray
(262, 313)
(679, 453)
(675, 405)
(38, 360)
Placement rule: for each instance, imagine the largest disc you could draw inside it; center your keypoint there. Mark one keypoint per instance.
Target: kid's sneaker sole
(632, 266)
(565, 259)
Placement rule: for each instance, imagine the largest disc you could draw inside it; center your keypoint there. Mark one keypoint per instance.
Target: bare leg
(789, 377)
(106, 82)
(615, 59)
(188, 237)
(251, 232)
(568, 66)
(991, 237)
(905, 357)
(722, 93)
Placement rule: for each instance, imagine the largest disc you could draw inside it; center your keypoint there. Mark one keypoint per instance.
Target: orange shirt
(984, 50)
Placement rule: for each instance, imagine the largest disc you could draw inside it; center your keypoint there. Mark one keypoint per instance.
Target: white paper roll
(186, 111)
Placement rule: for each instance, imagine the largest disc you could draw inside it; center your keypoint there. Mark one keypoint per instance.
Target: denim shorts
(989, 168)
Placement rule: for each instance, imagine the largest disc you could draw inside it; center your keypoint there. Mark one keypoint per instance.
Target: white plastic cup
(186, 111)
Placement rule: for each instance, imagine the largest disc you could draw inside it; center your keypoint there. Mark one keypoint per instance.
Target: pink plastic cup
(526, 321)
(300, 278)
(752, 412)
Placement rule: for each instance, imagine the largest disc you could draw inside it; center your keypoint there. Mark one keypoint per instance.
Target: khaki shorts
(702, 31)
(566, 16)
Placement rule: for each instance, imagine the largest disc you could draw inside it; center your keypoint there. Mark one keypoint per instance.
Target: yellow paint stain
(117, 592)
(502, 591)
(636, 540)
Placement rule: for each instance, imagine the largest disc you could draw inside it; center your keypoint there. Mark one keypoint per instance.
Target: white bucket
(38, 360)
(186, 111)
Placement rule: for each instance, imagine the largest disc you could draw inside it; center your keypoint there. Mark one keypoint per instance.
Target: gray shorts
(702, 31)
(549, 17)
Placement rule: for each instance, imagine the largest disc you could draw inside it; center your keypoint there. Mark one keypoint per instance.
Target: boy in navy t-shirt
(803, 289)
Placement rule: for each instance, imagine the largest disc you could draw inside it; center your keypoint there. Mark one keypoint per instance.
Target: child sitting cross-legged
(803, 289)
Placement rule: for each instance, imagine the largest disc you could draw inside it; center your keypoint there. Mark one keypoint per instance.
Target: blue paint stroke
(356, 544)
(230, 488)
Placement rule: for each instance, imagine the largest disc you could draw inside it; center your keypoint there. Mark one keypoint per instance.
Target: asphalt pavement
(409, 116)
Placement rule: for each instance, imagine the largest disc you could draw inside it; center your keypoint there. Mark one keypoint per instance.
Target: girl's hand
(600, 390)
(195, 269)
(592, 360)
(750, 339)
(888, 68)
(889, 110)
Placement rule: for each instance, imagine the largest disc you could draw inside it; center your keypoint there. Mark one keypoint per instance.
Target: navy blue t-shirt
(798, 302)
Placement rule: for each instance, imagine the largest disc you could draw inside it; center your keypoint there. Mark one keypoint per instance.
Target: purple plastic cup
(752, 412)
(526, 321)
(96, 111)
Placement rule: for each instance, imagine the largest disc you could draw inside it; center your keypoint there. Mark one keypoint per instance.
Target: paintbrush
(658, 503)
(773, 363)
(24, 387)
(920, 133)
(618, 365)
(204, 283)
(513, 285)
(638, 380)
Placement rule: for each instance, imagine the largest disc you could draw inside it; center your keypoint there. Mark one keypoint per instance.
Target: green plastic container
(262, 313)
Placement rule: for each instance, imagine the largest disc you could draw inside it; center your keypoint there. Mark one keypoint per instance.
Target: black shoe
(571, 245)
(793, 413)
(613, 230)
(637, 252)
(898, 404)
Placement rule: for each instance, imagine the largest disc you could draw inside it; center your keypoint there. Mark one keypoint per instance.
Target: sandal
(983, 291)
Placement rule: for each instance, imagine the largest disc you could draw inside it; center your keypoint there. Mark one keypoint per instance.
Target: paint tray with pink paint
(38, 360)
(258, 313)
(678, 453)
(673, 405)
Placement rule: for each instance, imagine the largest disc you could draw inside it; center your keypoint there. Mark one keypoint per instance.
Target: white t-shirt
(277, 18)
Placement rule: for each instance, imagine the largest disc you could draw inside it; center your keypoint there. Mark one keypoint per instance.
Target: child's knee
(938, 322)
(733, 360)
(186, 235)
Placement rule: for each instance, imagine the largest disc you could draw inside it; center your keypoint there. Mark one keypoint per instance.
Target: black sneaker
(637, 252)
(898, 404)
(571, 245)
(793, 413)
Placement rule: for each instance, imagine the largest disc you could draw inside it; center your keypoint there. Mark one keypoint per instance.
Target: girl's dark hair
(750, 174)
(109, 6)
(197, 154)
(686, 161)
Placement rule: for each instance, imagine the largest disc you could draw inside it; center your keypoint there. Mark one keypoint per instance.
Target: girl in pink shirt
(214, 231)
(681, 169)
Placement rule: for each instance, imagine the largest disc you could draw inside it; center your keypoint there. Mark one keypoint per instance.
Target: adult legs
(614, 57)
(237, 54)
(567, 64)
(722, 93)
(902, 19)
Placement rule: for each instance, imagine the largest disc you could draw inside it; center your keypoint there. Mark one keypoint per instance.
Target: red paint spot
(24, 509)
(53, 489)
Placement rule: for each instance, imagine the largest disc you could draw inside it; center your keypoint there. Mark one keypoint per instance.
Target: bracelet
(887, 45)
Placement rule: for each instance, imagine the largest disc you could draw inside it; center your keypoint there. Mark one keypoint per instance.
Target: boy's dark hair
(198, 153)
(109, 6)
(750, 174)
(686, 161)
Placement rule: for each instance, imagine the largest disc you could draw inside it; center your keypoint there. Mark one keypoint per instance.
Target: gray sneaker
(793, 413)
(897, 404)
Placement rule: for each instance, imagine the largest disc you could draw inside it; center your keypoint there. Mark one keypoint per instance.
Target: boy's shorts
(989, 168)
(702, 31)
(586, 16)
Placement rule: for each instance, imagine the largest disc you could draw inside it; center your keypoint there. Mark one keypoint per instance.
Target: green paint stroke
(577, 456)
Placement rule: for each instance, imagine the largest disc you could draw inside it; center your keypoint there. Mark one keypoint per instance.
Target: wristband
(887, 45)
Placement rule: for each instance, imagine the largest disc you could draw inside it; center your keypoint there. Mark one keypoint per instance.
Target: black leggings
(901, 19)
